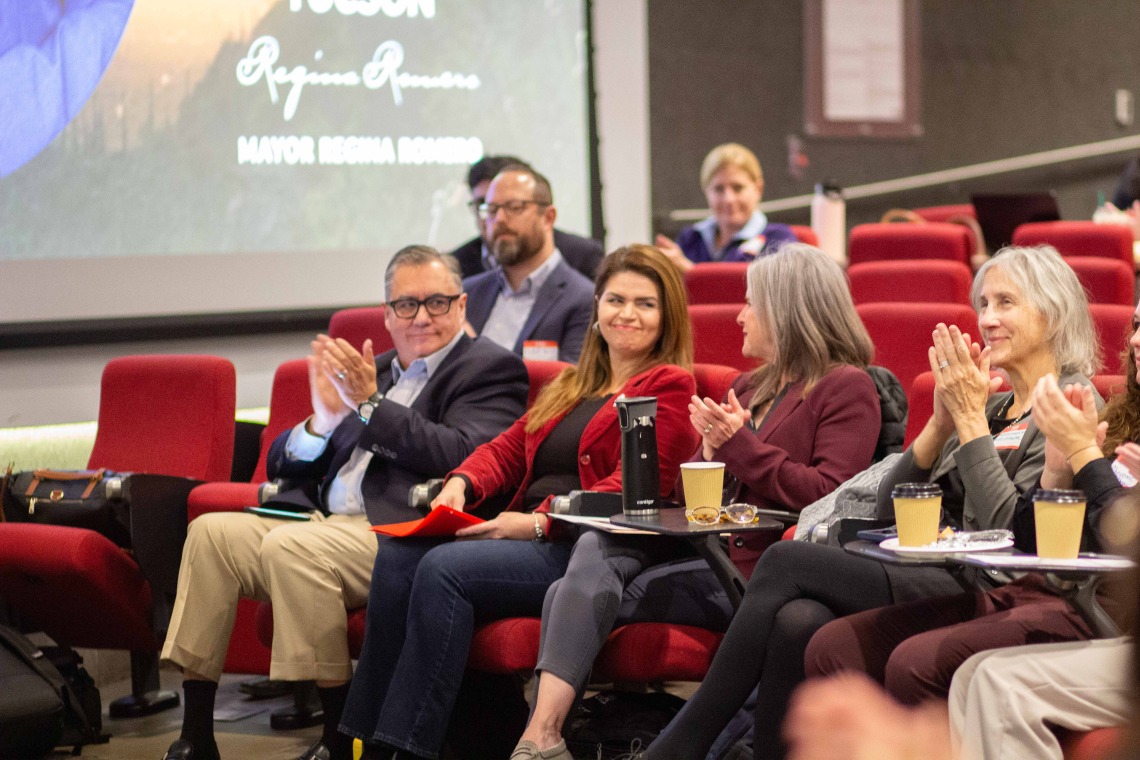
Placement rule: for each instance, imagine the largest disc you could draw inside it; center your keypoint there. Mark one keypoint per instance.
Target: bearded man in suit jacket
(581, 253)
(379, 425)
(533, 295)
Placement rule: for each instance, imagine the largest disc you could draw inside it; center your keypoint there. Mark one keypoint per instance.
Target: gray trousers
(616, 580)
(1003, 701)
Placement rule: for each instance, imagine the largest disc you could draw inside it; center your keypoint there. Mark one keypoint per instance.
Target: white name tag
(540, 350)
(1010, 438)
(1122, 474)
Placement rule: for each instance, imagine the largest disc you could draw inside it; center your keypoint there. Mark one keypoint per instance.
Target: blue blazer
(475, 394)
(561, 312)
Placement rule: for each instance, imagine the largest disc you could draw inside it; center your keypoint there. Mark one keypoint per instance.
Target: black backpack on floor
(612, 724)
(40, 709)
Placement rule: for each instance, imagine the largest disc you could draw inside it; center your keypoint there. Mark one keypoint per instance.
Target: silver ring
(339, 375)
(708, 428)
(943, 364)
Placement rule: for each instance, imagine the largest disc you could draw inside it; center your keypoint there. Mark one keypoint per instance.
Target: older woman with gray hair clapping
(980, 447)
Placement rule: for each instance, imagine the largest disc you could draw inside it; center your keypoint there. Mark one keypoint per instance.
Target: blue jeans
(425, 601)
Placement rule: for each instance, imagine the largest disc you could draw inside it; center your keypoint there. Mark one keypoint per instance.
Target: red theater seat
(714, 380)
(540, 373)
(902, 332)
(717, 338)
(169, 416)
(1105, 280)
(1111, 241)
(717, 282)
(1113, 327)
(805, 234)
(936, 240)
(918, 281)
(360, 324)
(946, 213)
(1098, 744)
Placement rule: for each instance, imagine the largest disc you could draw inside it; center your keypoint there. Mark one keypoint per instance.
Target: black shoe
(179, 750)
(318, 751)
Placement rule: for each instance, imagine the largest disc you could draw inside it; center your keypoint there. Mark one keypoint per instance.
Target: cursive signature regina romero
(383, 69)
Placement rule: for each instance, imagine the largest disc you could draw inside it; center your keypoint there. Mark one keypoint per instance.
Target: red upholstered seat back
(289, 404)
(714, 380)
(944, 213)
(360, 324)
(919, 281)
(901, 332)
(1105, 280)
(717, 282)
(936, 240)
(1111, 241)
(805, 234)
(920, 405)
(717, 338)
(167, 415)
(541, 373)
(1108, 385)
(1113, 327)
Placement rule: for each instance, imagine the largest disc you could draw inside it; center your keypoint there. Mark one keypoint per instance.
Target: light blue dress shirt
(512, 307)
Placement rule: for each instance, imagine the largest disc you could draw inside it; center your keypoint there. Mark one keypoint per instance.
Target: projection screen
(217, 156)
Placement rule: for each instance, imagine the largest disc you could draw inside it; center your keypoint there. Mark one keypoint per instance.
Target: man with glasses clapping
(379, 426)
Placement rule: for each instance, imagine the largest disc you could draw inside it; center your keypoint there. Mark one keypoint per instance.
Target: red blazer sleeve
(499, 464)
(820, 442)
(506, 462)
(674, 388)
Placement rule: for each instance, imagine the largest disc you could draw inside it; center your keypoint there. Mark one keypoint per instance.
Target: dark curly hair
(1122, 412)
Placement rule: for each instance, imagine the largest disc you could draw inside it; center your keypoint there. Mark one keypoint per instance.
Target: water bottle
(829, 220)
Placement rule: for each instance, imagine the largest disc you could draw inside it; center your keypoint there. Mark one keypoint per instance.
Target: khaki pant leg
(1004, 702)
(315, 572)
(221, 562)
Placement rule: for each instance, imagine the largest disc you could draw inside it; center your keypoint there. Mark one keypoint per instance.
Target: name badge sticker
(1010, 438)
(540, 350)
(1122, 474)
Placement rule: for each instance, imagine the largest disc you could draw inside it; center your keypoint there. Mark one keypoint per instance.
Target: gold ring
(708, 428)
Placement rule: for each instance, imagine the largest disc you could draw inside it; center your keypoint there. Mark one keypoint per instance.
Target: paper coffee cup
(703, 483)
(918, 512)
(1060, 518)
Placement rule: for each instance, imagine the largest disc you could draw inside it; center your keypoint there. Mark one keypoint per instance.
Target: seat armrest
(420, 496)
(845, 529)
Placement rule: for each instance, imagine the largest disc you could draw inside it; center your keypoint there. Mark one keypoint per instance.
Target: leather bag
(92, 499)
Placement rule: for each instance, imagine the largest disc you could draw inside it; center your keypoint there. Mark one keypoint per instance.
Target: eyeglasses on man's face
(510, 208)
(437, 305)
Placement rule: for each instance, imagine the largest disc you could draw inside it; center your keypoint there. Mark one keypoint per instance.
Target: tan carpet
(147, 738)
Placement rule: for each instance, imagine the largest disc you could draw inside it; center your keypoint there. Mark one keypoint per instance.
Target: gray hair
(418, 256)
(1052, 287)
(802, 296)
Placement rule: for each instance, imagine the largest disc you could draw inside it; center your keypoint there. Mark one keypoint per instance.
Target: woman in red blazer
(789, 432)
(427, 595)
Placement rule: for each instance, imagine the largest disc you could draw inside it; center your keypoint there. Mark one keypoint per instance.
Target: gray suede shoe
(528, 750)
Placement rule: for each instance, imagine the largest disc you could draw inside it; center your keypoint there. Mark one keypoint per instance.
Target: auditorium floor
(247, 736)
(245, 733)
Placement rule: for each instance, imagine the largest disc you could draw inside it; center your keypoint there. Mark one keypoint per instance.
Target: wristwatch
(368, 406)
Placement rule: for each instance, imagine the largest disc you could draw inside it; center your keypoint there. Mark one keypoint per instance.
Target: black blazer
(474, 395)
(580, 253)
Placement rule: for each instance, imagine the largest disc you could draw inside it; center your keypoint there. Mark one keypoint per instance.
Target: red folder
(441, 521)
